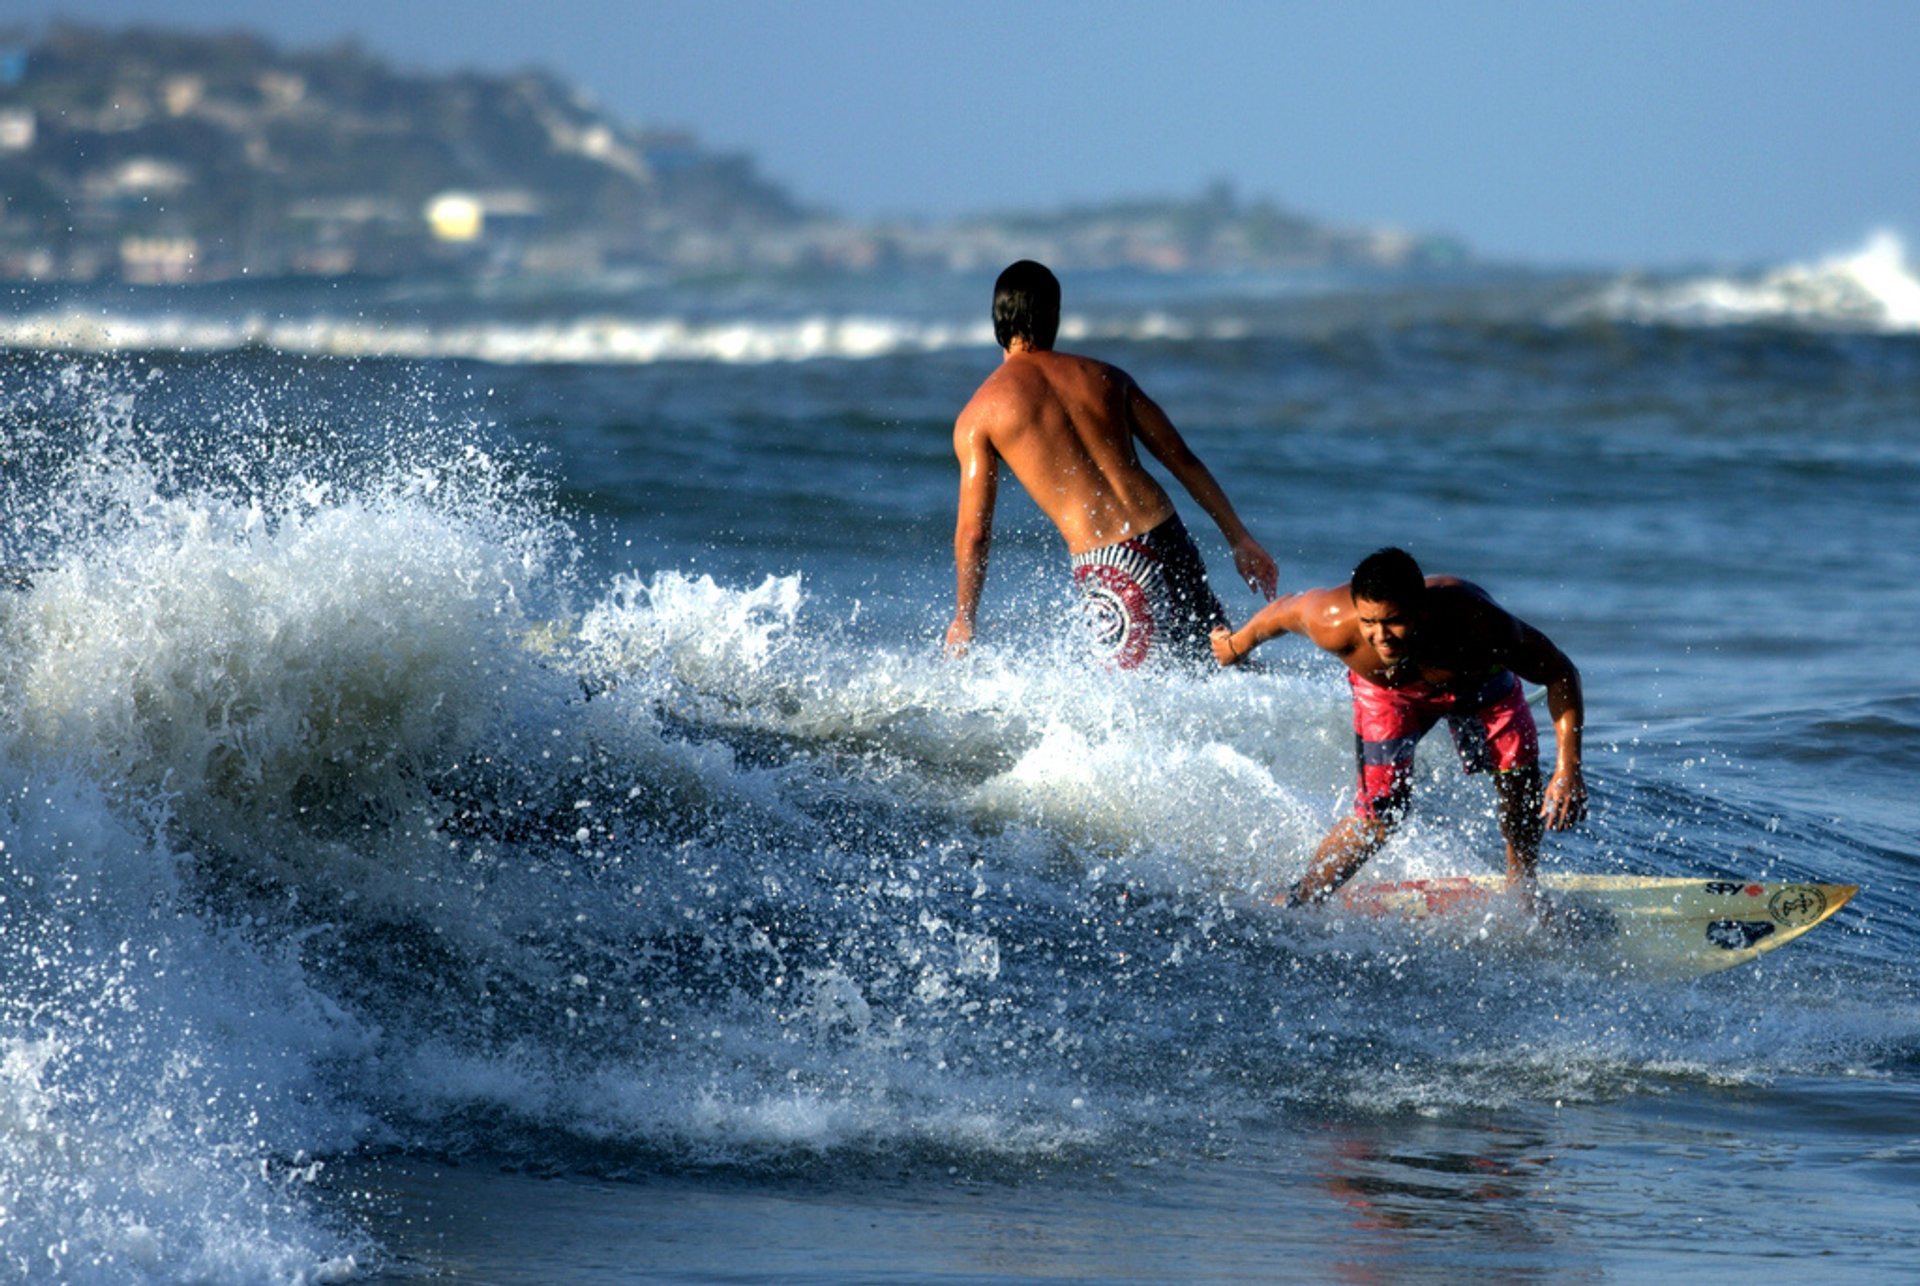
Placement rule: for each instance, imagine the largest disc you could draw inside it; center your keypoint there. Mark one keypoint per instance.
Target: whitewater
(486, 801)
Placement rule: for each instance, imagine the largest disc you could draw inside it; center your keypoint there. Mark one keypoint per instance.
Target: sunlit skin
(1069, 428)
(1456, 629)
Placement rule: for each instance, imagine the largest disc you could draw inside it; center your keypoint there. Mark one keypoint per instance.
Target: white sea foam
(597, 339)
(603, 339)
(341, 810)
(160, 1102)
(1874, 288)
(192, 685)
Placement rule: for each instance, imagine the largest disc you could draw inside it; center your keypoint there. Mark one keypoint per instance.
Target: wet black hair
(1388, 576)
(1026, 305)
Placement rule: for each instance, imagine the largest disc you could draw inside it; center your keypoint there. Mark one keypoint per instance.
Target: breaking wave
(341, 813)
(1873, 289)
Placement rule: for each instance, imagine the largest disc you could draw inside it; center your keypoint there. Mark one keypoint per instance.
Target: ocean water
(481, 799)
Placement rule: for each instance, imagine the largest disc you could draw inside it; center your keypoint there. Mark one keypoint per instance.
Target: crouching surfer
(1418, 649)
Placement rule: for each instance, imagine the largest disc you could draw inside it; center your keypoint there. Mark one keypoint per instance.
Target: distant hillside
(1217, 231)
(154, 153)
(157, 156)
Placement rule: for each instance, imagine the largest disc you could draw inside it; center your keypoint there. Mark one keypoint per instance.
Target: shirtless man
(1418, 648)
(1067, 427)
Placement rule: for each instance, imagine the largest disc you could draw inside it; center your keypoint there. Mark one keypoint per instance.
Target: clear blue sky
(1630, 132)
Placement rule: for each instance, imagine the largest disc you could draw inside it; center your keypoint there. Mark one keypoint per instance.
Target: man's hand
(1223, 650)
(959, 637)
(1256, 568)
(1565, 802)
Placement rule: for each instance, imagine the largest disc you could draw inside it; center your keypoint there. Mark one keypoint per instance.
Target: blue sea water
(481, 798)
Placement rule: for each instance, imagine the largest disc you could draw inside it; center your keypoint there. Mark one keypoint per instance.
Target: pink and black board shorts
(1492, 728)
(1147, 597)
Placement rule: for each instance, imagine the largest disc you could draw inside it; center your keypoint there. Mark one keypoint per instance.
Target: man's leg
(1521, 826)
(1500, 737)
(1354, 839)
(1520, 823)
(1387, 724)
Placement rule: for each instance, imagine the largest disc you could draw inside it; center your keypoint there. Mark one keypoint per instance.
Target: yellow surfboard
(1648, 923)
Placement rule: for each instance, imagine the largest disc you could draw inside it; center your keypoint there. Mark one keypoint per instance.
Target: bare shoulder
(1001, 394)
(1452, 594)
(1332, 604)
(1324, 615)
(1471, 610)
(1104, 374)
(1016, 382)
(1090, 374)
(1093, 365)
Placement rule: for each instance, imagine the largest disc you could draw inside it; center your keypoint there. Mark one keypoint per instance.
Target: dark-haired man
(1418, 649)
(1068, 427)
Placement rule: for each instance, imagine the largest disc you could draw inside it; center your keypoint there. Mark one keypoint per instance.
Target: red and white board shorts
(1491, 723)
(1148, 597)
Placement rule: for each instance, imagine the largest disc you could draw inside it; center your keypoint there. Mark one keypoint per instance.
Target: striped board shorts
(1146, 599)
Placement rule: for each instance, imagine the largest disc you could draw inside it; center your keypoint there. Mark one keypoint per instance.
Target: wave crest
(1874, 289)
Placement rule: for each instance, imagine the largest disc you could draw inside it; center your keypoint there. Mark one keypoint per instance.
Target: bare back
(1066, 427)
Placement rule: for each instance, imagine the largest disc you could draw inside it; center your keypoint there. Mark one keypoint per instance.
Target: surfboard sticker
(1653, 924)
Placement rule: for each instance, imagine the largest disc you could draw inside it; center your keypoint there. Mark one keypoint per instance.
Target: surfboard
(1675, 927)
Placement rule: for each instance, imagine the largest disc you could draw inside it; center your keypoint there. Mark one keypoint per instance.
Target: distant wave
(601, 339)
(1873, 289)
(591, 340)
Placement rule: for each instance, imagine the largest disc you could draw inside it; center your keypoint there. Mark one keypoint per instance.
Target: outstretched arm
(973, 528)
(1285, 615)
(1157, 433)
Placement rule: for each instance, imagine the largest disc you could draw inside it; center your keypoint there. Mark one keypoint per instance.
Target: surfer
(1068, 427)
(1419, 648)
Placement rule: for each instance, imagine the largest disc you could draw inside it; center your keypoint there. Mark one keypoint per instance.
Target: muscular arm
(973, 527)
(1534, 657)
(1156, 432)
(1302, 613)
